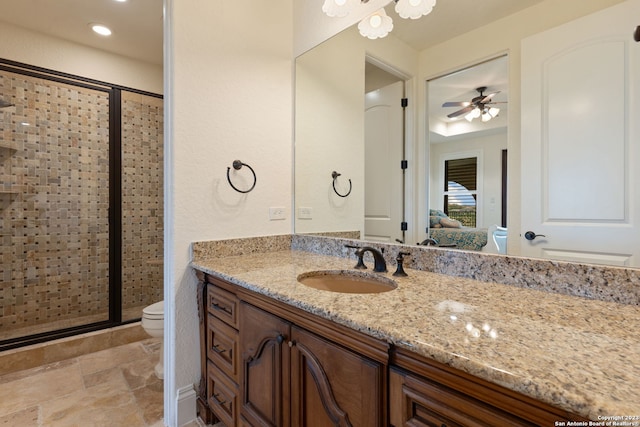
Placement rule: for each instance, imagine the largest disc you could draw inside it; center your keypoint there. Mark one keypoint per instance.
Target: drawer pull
(218, 349)
(217, 306)
(218, 401)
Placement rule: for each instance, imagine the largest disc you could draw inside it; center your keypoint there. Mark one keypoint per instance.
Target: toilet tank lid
(157, 308)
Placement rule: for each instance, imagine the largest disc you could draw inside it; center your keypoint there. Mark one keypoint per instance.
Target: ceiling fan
(479, 106)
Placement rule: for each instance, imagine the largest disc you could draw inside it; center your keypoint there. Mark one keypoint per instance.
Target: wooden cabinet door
(332, 386)
(264, 374)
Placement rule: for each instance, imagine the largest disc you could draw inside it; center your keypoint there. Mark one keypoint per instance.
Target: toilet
(153, 324)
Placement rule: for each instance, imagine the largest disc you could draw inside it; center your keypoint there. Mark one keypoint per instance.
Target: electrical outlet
(304, 213)
(277, 213)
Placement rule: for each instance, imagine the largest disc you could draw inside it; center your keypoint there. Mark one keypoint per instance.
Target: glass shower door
(142, 202)
(54, 205)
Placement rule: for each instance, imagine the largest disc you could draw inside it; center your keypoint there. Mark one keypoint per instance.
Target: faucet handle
(400, 269)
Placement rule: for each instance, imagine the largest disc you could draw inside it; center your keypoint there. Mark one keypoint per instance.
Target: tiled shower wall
(142, 202)
(55, 231)
(54, 201)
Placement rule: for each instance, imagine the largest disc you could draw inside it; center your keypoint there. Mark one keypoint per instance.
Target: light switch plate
(305, 213)
(276, 213)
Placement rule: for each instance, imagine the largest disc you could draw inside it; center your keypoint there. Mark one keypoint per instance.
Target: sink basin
(346, 281)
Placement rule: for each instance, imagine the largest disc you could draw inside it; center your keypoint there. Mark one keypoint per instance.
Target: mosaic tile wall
(142, 202)
(54, 251)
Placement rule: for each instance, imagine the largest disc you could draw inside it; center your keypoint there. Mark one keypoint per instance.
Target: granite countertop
(576, 354)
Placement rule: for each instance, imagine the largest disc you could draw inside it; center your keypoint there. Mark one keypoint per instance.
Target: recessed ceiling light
(121, 1)
(101, 29)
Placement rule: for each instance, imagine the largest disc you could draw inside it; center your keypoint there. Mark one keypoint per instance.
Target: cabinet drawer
(222, 395)
(222, 346)
(223, 304)
(420, 402)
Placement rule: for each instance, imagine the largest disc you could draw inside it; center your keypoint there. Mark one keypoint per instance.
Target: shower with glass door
(81, 204)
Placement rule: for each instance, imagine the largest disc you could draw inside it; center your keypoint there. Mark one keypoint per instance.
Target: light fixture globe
(376, 25)
(338, 8)
(473, 114)
(414, 9)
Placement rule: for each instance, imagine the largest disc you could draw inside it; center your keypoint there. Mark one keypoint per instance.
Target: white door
(581, 139)
(382, 173)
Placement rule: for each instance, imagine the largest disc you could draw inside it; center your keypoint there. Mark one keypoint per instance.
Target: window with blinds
(460, 190)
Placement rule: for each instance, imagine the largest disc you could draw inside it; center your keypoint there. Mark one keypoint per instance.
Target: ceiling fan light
(473, 114)
(494, 111)
(486, 116)
(338, 8)
(414, 9)
(376, 25)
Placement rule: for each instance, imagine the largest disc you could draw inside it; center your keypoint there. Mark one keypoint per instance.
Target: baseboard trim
(186, 405)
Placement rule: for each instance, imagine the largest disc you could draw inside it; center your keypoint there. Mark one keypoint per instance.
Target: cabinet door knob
(291, 343)
(280, 339)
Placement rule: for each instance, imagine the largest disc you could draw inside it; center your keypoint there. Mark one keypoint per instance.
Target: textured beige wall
(229, 96)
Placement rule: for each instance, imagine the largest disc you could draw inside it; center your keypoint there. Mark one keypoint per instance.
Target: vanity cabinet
(267, 363)
(270, 364)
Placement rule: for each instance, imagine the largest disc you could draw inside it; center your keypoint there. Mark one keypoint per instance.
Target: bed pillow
(434, 220)
(438, 213)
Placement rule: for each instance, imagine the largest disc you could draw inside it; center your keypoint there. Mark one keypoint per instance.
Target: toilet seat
(154, 311)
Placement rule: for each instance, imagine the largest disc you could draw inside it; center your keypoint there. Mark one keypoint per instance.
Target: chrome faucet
(380, 265)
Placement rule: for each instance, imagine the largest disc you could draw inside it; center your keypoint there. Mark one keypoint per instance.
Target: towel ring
(335, 176)
(237, 165)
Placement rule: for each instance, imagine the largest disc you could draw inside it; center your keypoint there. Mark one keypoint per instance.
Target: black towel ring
(335, 176)
(237, 165)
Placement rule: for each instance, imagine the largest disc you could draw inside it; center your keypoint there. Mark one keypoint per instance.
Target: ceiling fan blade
(488, 97)
(456, 104)
(465, 110)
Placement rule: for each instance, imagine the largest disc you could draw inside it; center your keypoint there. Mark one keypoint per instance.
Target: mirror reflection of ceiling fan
(480, 106)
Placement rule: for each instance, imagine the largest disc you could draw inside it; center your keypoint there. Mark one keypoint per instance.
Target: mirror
(329, 131)
(467, 123)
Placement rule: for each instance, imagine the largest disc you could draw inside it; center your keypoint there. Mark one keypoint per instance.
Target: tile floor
(114, 387)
